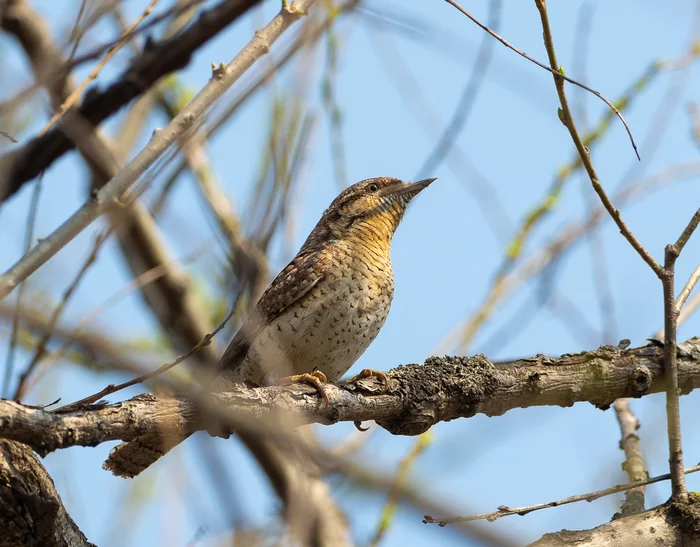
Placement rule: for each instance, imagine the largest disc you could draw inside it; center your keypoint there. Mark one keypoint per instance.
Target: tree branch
(418, 396)
(108, 197)
(160, 59)
(634, 460)
(31, 511)
(674, 525)
(568, 121)
(505, 511)
(170, 297)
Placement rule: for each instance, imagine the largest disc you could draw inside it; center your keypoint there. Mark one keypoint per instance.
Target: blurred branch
(41, 347)
(160, 59)
(75, 94)
(405, 464)
(687, 289)
(28, 240)
(634, 460)
(538, 213)
(468, 98)
(330, 103)
(506, 282)
(418, 397)
(108, 198)
(409, 89)
(304, 38)
(170, 298)
(695, 122)
(31, 510)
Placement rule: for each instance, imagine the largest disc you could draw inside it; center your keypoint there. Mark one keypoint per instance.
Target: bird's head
(372, 208)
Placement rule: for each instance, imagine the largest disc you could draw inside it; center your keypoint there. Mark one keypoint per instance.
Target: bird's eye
(373, 187)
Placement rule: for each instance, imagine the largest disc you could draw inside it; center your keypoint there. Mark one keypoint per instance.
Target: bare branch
(108, 197)
(75, 95)
(162, 58)
(687, 289)
(673, 524)
(418, 397)
(505, 511)
(568, 121)
(30, 509)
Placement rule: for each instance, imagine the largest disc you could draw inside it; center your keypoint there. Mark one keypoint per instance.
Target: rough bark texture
(31, 512)
(673, 525)
(417, 397)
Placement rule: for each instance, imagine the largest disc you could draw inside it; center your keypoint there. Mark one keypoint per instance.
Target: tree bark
(417, 397)
(676, 524)
(31, 511)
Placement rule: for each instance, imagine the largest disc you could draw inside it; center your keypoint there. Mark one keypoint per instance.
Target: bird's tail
(128, 459)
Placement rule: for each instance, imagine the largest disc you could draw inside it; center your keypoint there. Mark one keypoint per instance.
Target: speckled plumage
(326, 307)
(321, 312)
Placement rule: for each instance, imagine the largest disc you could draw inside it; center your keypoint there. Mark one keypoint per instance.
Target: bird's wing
(291, 285)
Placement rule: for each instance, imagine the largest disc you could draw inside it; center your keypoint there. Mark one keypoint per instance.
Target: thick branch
(31, 511)
(674, 525)
(418, 396)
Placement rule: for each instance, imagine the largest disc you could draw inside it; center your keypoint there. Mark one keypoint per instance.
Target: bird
(319, 314)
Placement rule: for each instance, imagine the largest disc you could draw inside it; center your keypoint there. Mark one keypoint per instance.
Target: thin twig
(8, 136)
(564, 241)
(568, 121)
(554, 70)
(111, 52)
(28, 239)
(505, 511)
(687, 232)
(687, 289)
(138, 283)
(108, 196)
(160, 370)
(409, 459)
(40, 352)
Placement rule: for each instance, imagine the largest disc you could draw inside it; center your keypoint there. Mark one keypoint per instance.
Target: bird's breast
(330, 327)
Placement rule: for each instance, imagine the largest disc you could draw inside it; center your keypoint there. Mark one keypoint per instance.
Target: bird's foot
(383, 377)
(315, 378)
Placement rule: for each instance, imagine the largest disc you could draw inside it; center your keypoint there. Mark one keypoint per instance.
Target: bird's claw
(358, 426)
(315, 379)
(383, 377)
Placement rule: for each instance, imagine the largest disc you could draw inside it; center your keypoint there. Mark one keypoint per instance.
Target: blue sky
(444, 254)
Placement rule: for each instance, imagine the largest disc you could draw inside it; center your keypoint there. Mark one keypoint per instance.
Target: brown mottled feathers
(291, 285)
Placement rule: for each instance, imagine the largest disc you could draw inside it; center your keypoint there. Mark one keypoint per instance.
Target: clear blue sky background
(444, 258)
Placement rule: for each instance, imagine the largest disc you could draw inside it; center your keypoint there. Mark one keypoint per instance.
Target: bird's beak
(412, 188)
